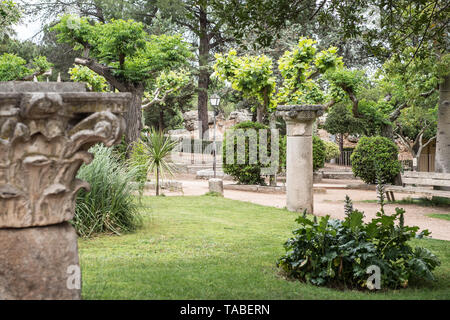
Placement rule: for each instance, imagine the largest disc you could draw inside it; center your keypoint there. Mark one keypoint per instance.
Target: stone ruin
(45, 132)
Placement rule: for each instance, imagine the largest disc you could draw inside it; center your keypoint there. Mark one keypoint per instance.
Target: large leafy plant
(338, 252)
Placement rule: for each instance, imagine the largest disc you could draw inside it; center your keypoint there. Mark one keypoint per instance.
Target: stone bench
(421, 182)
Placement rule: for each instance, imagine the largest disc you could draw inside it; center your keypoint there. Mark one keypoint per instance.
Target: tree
(157, 148)
(201, 20)
(416, 129)
(340, 121)
(125, 55)
(251, 75)
(167, 85)
(301, 69)
(13, 67)
(386, 28)
(9, 14)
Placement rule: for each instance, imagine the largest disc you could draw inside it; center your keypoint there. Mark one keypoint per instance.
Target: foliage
(319, 153)
(123, 45)
(251, 75)
(13, 67)
(247, 172)
(331, 150)
(338, 253)
(151, 156)
(301, 68)
(94, 82)
(10, 14)
(375, 158)
(110, 206)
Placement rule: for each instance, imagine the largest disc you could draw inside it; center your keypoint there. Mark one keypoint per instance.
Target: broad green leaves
(125, 46)
(94, 82)
(335, 252)
(251, 75)
(13, 67)
(301, 70)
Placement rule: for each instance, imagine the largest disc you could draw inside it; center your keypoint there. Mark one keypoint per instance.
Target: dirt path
(332, 203)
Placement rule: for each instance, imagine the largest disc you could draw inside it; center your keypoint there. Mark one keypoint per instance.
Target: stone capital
(299, 118)
(45, 132)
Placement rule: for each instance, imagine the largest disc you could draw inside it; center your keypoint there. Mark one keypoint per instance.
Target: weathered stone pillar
(299, 155)
(215, 185)
(45, 131)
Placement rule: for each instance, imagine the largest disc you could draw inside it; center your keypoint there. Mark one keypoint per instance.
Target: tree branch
(103, 71)
(396, 113)
(148, 103)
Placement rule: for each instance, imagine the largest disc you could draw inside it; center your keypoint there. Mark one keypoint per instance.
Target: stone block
(39, 263)
(216, 185)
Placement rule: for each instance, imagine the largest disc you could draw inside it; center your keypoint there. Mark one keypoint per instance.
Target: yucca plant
(157, 148)
(110, 206)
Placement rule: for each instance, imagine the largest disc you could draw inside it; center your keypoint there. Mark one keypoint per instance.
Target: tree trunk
(442, 160)
(157, 180)
(133, 116)
(203, 77)
(161, 120)
(259, 113)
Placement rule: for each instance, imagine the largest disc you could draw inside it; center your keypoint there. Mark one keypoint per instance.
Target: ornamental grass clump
(110, 206)
(338, 253)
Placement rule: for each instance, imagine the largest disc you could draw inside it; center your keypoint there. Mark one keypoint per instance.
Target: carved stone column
(299, 157)
(45, 132)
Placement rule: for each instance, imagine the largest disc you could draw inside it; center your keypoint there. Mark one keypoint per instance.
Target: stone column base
(39, 263)
(216, 185)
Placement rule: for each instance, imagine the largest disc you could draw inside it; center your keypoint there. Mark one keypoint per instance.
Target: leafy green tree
(125, 55)
(13, 67)
(170, 88)
(340, 121)
(94, 82)
(9, 14)
(251, 75)
(200, 19)
(301, 69)
(416, 129)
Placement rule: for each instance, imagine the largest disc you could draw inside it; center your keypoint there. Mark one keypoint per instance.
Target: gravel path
(332, 203)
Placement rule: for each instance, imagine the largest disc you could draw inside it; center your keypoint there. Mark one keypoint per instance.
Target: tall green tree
(200, 19)
(10, 14)
(125, 55)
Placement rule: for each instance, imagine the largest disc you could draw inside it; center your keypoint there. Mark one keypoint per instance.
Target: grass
(216, 248)
(444, 216)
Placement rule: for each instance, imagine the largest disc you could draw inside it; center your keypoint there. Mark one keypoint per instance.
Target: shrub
(110, 206)
(375, 157)
(331, 150)
(245, 173)
(318, 153)
(338, 253)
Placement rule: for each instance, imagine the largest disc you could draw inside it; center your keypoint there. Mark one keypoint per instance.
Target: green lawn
(445, 216)
(215, 248)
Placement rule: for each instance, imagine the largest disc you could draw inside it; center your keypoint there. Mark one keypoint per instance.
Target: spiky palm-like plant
(158, 148)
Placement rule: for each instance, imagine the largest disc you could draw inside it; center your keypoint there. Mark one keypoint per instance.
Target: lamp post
(215, 101)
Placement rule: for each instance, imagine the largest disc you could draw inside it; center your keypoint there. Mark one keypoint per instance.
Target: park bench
(421, 182)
